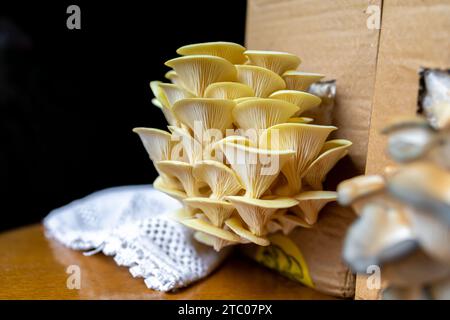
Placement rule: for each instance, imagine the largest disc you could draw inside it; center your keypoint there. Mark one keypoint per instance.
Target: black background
(69, 98)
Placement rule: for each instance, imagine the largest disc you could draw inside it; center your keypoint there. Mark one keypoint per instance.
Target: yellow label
(284, 256)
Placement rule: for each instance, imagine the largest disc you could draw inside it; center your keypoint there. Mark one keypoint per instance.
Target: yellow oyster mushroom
(306, 139)
(289, 222)
(197, 72)
(257, 212)
(156, 90)
(192, 149)
(161, 102)
(171, 191)
(228, 90)
(173, 93)
(239, 100)
(359, 188)
(217, 211)
(261, 80)
(258, 113)
(276, 61)
(216, 146)
(303, 100)
(256, 168)
(206, 227)
(230, 51)
(160, 185)
(205, 113)
(174, 78)
(273, 226)
(222, 180)
(300, 120)
(311, 202)
(157, 143)
(168, 114)
(183, 172)
(297, 80)
(331, 153)
(157, 103)
(235, 224)
(212, 241)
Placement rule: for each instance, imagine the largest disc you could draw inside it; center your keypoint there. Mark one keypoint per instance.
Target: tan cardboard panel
(332, 38)
(414, 34)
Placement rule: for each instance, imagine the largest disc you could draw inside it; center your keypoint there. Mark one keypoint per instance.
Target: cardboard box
(377, 78)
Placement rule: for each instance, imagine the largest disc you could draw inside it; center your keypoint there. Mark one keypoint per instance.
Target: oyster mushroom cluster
(404, 215)
(238, 154)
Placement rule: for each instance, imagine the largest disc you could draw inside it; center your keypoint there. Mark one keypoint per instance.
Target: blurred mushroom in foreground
(404, 215)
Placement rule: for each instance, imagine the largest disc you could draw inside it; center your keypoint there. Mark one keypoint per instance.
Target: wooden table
(33, 267)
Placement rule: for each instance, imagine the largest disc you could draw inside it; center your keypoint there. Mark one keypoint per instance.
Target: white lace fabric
(133, 224)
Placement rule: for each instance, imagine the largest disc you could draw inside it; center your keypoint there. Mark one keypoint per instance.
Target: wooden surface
(33, 267)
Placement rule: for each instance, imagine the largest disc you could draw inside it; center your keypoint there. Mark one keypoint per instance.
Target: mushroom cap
(157, 143)
(289, 222)
(222, 180)
(173, 93)
(303, 100)
(257, 168)
(311, 202)
(359, 187)
(276, 61)
(306, 139)
(242, 99)
(414, 268)
(256, 213)
(425, 186)
(409, 138)
(174, 78)
(298, 80)
(197, 72)
(156, 90)
(300, 120)
(212, 241)
(402, 122)
(208, 228)
(208, 113)
(382, 233)
(217, 211)
(157, 103)
(230, 51)
(432, 235)
(261, 113)
(261, 80)
(168, 114)
(183, 172)
(236, 225)
(228, 90)
(160, 185)
(192, 149)
(332, 151)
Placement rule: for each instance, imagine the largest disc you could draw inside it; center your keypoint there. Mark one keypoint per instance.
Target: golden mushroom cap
(197, 72)
(230, 51)
(228, 90)
(303, 100)
(261, 80)
(276, 61)
(258, 113)
(298, 80)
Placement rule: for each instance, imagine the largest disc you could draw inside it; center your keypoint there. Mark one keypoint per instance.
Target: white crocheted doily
(133, 224)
